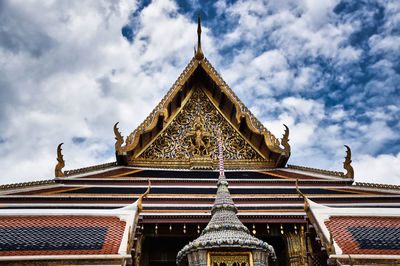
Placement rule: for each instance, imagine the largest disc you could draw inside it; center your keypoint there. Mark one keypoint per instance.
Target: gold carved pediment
(193, 132)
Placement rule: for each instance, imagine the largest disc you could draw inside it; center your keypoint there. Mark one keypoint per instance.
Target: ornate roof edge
(315, 170)
(242, 111)
(28, 184)
(89, 168)
(160, 110)
(252, 122)
(375, 185)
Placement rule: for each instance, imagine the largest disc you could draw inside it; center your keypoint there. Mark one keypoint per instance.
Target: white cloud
(383, 169)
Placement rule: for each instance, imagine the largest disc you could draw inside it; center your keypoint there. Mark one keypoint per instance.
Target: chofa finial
(61, 163)
(347, 162)
(119, 139)
(285, 140)
(199, 53)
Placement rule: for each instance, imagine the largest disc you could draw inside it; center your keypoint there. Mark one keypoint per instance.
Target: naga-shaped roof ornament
(199, 53)
(118, 137)
(61, 163)
(347, 162)
(285, 140)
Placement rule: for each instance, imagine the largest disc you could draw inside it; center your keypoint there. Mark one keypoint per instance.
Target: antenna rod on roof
(199, 53)
(221, 154)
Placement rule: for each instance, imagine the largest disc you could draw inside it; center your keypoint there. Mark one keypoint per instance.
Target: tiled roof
(366, 235)
(200, 174)
(199, 191)
(110, 173)
(60, 235)
(292, 175)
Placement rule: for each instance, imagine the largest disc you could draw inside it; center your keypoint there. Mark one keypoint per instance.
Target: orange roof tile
(46, 229)
(366, 235)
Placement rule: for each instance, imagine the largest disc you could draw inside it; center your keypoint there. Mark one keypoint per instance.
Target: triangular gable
(200, 71)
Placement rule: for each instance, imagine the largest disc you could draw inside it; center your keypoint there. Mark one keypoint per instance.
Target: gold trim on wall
(229, 258)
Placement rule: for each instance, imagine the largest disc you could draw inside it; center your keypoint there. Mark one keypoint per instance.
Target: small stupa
(225, 240)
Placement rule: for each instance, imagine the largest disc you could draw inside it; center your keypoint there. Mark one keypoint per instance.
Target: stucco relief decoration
(194, 131)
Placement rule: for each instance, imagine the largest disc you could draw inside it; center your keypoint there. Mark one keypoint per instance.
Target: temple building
(200, 182)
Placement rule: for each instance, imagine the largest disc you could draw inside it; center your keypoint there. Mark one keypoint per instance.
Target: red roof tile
(366, 235)
(113, 227)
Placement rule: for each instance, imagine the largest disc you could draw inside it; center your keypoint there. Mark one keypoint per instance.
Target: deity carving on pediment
(200, 139)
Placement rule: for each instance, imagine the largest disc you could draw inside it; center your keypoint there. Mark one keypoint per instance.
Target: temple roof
(200, 74)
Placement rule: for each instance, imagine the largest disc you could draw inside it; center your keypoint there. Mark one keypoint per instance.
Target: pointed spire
(199, 53)
(224, 230)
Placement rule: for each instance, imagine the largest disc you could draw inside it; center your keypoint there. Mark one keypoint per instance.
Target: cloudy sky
(330, 70)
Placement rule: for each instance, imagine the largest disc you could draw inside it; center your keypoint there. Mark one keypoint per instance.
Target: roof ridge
(132, 139)
(27, 184)
(89, 168)
(243, 110)
(376, 185)
(316, 170)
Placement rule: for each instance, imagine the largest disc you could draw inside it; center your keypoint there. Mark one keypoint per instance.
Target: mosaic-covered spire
(224, 230)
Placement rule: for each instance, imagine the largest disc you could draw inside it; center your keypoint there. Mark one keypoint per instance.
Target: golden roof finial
(199, 53)
(61, 163)
(118, 137)
(285, 140)
(347, 162)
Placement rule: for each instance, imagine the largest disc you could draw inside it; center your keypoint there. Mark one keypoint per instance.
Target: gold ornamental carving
(347, 164)
(193, 134)
(60, 162)
(230, 259)
(119, 140)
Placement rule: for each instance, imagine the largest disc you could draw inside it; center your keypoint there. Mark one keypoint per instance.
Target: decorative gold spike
(61, 163)
(199, 53)
(331, 247)
(118, 137)
(254, 230)
(285, 140)
(198, 229)
(346, 164)
(282, 229)
(306, 204)
(142, 227)
(184, 228)
(130, 242)
(144, 195)
(156, 229)
(295, 229)
(170, 228)
(267, 228)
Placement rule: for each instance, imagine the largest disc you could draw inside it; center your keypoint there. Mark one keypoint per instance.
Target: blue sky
(330, 70)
